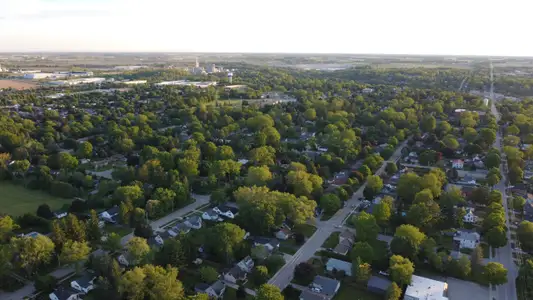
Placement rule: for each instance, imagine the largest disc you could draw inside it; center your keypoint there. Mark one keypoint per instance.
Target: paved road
(200, 200)
(284, 276)
(503, 254)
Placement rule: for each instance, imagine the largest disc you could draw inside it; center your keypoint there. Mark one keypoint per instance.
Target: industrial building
(134, 82)
(93, 80)
(55, 75)
(422, 288)
(198, 84)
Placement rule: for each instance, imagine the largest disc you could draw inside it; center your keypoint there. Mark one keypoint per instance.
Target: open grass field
(17, 200)
(16, 84)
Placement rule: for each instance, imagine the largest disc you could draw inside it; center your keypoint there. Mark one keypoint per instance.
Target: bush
(304, 273)
(44, 211)
(63, 189)
(45, 283)
(29, 220)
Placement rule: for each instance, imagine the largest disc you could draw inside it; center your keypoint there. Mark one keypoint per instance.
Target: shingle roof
(328, 285)
(378, 283)
(308, 295)
(64, 293)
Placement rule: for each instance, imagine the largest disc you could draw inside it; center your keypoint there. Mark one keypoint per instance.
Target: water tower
(230, 77)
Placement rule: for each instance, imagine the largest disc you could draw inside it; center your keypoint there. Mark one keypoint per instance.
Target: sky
(452, 27)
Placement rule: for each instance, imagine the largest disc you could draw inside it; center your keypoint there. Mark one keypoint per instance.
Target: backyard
(350, 292)
(17, 200)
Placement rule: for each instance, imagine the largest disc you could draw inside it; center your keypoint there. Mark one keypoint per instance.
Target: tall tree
(401, 269)
(33, 251)
(268, 292)
(366, 227)
(74, 252)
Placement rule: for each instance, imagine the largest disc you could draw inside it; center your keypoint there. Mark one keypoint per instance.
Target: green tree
(450, 142)
(410, 234)
(374, 184)
(496, 237)
(401, 269)
(518, 203)
(208, 274)
(428, 123)
(303, 183)
(93, 229)
(264, 155)
(525, 277)
(492, 180)
(362, 271)
(67, 161)
(366, 227)
(137, 250)
(258, 176)
(113, 242)
(363, 251)
(74, 252)
(268, 292)
(393, 292)
(492, 160)
(495, 273)
(260, 275)
(7, 225)
(188, 167)
(74, 229)
(131, 284)
(32, 252)
(310, 114)
(172, 253)
(330, 203)
(85, 150)
(383, 211)
(224, 239)
(525, 235)
(391, 168)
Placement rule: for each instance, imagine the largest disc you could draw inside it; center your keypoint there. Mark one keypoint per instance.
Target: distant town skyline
(452, 27)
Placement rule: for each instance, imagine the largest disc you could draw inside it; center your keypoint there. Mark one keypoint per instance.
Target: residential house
(378, 285)
(466, 239)
(83, 284)
(194, 222)
(269, 243)
(158, 240)
(211, 215)
(422, 288)
(470, 217)
(367, 90)
(62, 293)
(226, 211)
(520, 189)
(528, 208)
(325, 286)
(215, 290)
(110, 215)
(283, 234)
(346, 241)
(336, 265)
(180, 228)
(60, 214)
(458, 164)
(308, 295)
(234, 274)
(123, 260)
(246, 264)
(478, 163)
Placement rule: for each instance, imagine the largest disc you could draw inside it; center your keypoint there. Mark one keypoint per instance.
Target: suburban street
(324, 229)
(503, 254)
(200, 200)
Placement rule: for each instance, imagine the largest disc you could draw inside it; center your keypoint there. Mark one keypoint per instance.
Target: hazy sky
(481, 27)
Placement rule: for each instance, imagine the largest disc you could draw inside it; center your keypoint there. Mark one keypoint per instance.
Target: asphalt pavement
(324, 229)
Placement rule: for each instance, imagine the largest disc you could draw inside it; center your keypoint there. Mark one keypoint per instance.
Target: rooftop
(427, 289)
(327, 286)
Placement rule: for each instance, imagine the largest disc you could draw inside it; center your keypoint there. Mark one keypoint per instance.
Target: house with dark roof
(83, 284)
(528, 208)
(269, 243)
(62, 293)
(325, 286)
(346, 240)
(194, 222)
(378, 285)
(234, 274)
(215, 290)
(308, 295)
(180, 228)
(211, 215)
(283, 234)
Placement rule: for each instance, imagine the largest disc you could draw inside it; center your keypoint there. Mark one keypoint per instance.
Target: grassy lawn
(445, 242)
(332, 240)
(306, 229)
(17, 200)
(231, 294)
(121, 231)
(350, 292)
(288, 246)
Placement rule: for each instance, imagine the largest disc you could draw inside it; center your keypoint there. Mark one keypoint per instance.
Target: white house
(246, 264)
(83, 284)
(110, 215)
(234, 274)
(422, 288)
(215, 290)
(64, 294)
(283, 234)
(123, 260)
(226, 211)
(466, 239)
(60, 214)
(269, 243)
(458, 164)
(211, 215)
(470, 217)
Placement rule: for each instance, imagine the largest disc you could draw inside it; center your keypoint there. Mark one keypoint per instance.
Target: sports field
(18, 200)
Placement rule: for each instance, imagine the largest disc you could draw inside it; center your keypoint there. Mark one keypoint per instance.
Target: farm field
(16, 84)
(17, 200)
